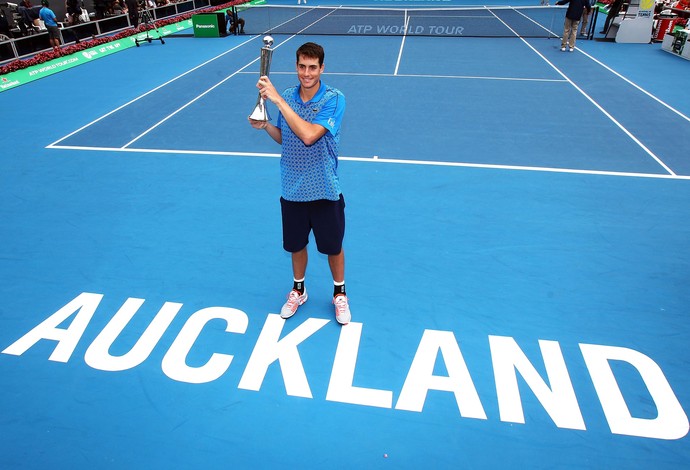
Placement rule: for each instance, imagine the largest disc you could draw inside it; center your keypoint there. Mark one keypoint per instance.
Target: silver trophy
(260, 112)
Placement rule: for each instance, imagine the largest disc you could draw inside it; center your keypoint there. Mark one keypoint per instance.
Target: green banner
(209, 25)
(29, 74)
(45, 69)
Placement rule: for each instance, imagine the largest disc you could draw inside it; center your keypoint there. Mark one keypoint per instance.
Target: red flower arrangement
(45, 56)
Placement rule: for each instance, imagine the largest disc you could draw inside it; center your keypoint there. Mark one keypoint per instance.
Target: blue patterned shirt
(309, 173)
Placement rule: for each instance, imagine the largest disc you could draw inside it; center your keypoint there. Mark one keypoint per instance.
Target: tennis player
(308, 129)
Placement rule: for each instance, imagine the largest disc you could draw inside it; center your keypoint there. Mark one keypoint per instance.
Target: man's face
(309, 72)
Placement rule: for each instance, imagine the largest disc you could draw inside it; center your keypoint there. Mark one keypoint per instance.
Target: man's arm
(306, 131)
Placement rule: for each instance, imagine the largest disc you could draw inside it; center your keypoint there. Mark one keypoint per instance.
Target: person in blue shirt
(308, 129)
(50, 20)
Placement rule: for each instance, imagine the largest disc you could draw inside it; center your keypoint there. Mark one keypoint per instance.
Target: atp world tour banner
(27, 75)
(66, 327)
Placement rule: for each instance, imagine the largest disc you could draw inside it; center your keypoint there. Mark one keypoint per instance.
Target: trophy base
(260, 112)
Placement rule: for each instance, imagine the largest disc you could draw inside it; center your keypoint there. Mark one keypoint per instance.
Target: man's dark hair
(312, 51)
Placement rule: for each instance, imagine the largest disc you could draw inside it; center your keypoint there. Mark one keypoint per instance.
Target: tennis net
(501, 21)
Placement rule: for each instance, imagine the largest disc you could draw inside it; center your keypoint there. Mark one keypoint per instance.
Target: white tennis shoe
(342, 309)
(295, 299)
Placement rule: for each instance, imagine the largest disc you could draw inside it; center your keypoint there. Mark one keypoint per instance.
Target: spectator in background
(28, 13)
(585, 19)
(614, 9)
(133, 12)
(100, 7)
(118, 7)
(572, 20)
(232, 21)
(73, 11)
(48, 17)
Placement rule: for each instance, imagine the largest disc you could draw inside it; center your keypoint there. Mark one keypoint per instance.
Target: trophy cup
(260, 112)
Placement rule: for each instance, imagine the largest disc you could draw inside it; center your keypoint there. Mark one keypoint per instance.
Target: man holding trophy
(308, 129)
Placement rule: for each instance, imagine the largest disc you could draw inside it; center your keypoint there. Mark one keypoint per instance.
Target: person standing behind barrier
(233, 23)
(614, 9)
(29, 15)
(73, 11)
(308, 130)
(48, 17)
(133, 12)
(585, 19)
(572, 20)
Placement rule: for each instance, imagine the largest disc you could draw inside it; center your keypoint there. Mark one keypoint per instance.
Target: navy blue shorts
(326, 218)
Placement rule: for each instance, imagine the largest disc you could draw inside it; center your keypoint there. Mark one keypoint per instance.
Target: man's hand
(258, 124)
(267, 90)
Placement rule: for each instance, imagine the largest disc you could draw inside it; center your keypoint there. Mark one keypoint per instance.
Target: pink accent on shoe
(294, 300)
(342, 309)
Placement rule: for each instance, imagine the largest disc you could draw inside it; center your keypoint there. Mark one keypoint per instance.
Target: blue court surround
(515, 212)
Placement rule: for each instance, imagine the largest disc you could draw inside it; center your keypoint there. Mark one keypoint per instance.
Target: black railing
(31, 44)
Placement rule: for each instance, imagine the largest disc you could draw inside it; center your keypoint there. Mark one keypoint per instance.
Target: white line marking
(412, 75)
(402, 45)
(126, 148)
(189, 103)
(591, 100)
(378, 160)
(149, 92)
(671, 108)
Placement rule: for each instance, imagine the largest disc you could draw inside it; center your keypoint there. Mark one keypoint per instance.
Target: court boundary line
(208, 90)
(414, 75)
(634, 85)
(149, 92)
(597, 105)
(395, 161)
(566, 79)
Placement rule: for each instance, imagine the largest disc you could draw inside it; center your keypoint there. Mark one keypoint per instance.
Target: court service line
(148, 93)
(377, 160)
(591, 100)
(198, 97)
(189, 103)
(54, 144)
(412, 75)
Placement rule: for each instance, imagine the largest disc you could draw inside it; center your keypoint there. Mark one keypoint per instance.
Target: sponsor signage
(209, 25)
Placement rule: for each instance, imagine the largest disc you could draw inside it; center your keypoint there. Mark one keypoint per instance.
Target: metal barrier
(26, 46)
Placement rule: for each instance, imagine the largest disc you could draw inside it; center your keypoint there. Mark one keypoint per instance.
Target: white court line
(671, 108)
(198, 97)
(591, 100)
(54, 144)
(413, 75)
(148, 93)
(367, 159)
(402, 44)
(390, 161)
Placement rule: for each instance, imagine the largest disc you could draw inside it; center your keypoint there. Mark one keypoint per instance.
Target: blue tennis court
(517, 261)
